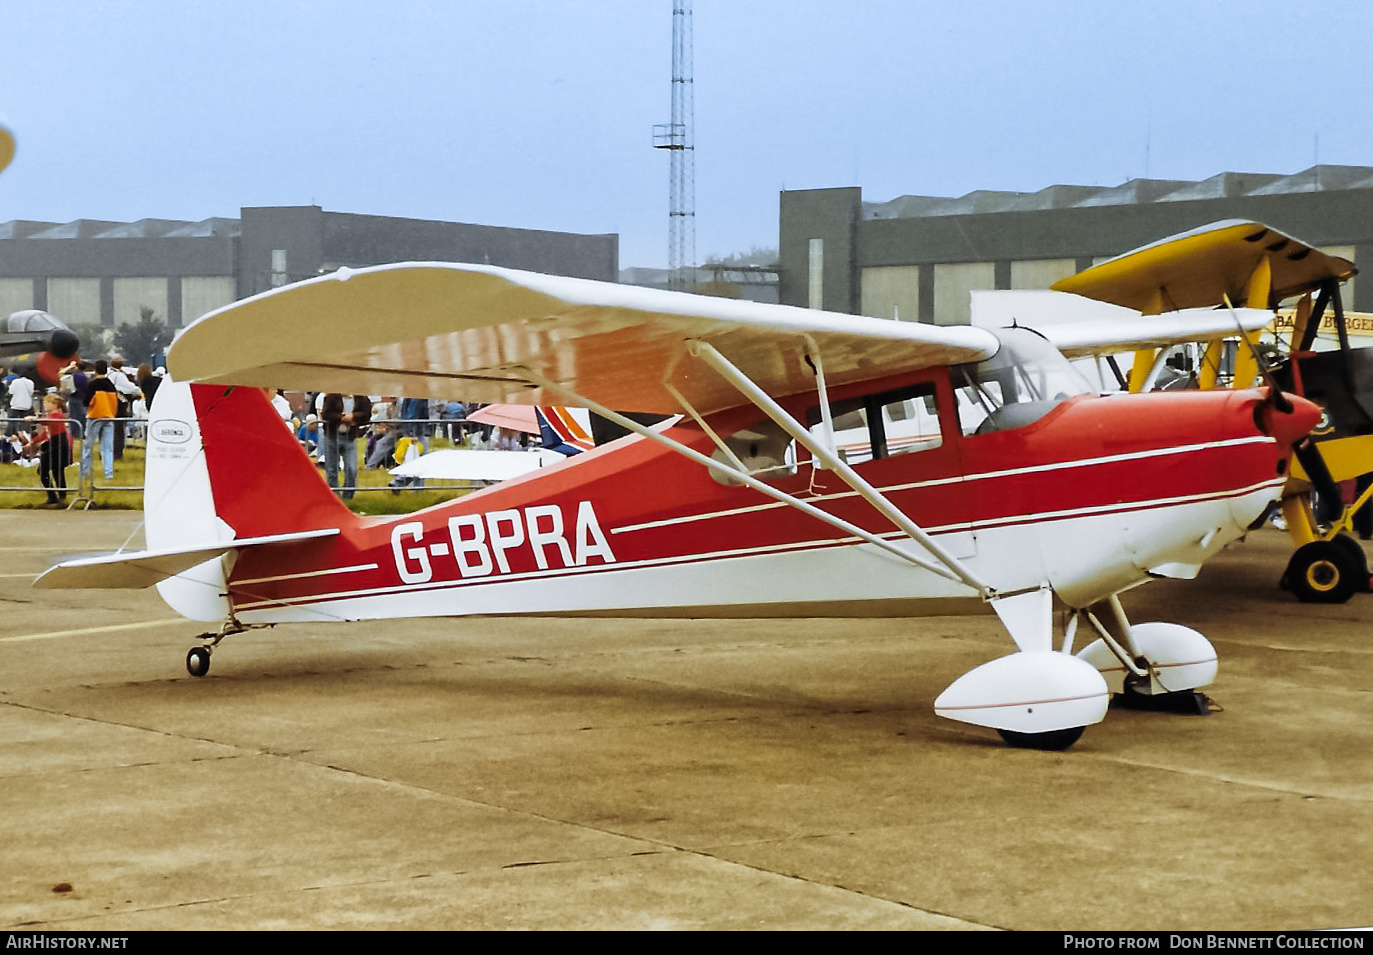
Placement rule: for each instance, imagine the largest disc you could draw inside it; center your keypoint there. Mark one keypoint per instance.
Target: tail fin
(221, 466)
(560, 430)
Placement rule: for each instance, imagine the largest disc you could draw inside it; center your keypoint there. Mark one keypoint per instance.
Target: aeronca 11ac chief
(808, 463)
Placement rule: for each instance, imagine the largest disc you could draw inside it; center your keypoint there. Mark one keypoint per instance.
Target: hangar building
(918, 257)
(91, 271)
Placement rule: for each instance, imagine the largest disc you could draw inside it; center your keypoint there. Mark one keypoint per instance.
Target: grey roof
(1054, 197)
(207, 227)
(1227, 185)
(102, 229)
(143, 229)
(1316, 179)
(76, 229)
(1134, 192)
(979, 200)
(22, 228)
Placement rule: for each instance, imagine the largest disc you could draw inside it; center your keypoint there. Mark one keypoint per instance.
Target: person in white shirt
(120, 377)
(21, 403)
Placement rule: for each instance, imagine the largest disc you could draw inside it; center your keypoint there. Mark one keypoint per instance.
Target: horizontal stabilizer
(138, 569)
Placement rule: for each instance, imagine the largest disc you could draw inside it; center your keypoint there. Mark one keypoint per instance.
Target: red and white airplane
(985, 472)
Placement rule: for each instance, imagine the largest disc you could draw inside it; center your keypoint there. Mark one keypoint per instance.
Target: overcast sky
(539, 114)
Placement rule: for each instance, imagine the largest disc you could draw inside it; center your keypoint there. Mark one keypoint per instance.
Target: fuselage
(1094, 496)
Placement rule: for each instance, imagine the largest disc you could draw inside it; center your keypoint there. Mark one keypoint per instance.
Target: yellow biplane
(1240, 263)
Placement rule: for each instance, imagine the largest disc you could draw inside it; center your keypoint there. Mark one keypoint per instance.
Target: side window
(883, 425)
(978, 401)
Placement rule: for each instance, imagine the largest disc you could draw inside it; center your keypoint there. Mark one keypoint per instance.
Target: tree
(144, 341)
(95, 339)
(757, 255)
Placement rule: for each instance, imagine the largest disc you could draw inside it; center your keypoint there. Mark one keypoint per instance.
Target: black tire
(198, 661)
(1360, 559)
(1323, 572)
(1053, 741)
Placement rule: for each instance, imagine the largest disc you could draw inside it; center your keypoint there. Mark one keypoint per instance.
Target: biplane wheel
(1360, 559)
(198, 661)
(1322, 572)
(1054, 740)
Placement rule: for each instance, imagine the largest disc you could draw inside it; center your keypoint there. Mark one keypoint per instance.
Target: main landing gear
(1043, 697)
(198, 658)
(1149, 666)
(1327, 571)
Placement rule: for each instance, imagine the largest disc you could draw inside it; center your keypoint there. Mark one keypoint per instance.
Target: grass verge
(21, 489)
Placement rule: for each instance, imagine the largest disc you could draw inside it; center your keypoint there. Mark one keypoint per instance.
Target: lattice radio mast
(677, 138)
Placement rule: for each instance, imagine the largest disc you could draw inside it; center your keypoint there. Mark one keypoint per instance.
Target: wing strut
(711, 356)
(744, 477)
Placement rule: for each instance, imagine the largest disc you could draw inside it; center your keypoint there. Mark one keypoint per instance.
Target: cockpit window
(883, 425)
(1025, 380)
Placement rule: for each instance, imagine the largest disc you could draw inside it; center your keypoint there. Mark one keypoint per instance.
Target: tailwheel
(1053, 740)
(198, 661)
(1324, 572)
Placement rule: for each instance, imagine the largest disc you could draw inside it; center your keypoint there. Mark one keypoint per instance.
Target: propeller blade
(1275, 394)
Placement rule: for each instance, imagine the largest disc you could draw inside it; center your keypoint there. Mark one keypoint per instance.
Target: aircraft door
(904, 441)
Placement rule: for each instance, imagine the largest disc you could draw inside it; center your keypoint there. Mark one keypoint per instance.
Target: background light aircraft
(1040, 493)
(562, 432)
(462, 464)
(42, 343)
(1235, 263)
(6, 146)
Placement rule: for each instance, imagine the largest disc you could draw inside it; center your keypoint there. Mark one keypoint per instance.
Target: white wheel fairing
(1034, 692)
(1179, 658)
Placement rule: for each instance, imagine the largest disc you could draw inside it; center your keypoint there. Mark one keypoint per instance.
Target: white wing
(450, 331)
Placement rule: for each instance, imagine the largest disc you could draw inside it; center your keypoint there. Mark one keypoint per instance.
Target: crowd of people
(345, 432)
(97, 406)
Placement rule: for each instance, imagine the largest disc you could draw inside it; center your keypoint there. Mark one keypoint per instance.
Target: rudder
(221, 466)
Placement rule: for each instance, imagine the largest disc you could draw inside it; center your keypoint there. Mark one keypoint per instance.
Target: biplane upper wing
(1235, 258)
(472, 331)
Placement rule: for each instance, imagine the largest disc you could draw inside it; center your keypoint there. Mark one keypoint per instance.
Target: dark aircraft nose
(1288, 427)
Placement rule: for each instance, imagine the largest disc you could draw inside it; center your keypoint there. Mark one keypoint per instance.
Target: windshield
(1025, 380)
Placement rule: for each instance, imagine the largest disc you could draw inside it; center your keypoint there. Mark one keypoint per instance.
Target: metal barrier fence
(82, 492)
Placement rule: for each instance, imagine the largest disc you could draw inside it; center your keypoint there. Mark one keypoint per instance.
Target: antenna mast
(677, 138)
